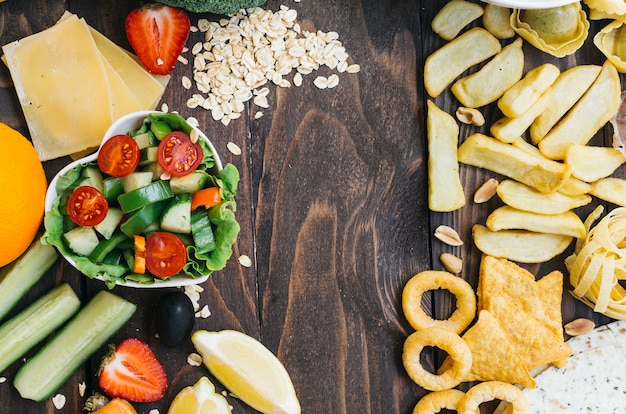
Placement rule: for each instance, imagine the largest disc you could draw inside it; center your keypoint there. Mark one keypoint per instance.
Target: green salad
(153, 204)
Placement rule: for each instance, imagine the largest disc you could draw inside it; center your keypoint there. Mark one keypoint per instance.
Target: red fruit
(132, 372)
(157, 33)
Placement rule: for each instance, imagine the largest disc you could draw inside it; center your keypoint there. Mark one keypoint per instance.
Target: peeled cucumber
(83, 335)
(20, 275)
(29, 327)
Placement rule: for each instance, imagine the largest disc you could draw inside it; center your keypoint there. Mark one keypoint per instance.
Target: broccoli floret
(214, 6)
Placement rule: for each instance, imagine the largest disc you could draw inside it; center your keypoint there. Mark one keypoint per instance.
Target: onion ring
(493, 390)
(436, 401)
(422, 282)
(443, 339)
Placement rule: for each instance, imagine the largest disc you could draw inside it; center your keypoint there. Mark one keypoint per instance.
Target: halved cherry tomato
(87, 206)
(207, 197)
(165, 254)
(119, 155)
(177, 155)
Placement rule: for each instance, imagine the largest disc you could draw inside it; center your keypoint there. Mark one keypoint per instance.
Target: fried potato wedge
(523, 197)
(523, 95)
(445, 64)
(540, 173)
(519, 245)
(575, 187)
(493, 79)
(497, 20)
(564, 93)
(445, 191)
(596, 107)
(593, 163)
(509, 218)
(610, 189)
(454, 16)
(509, 129)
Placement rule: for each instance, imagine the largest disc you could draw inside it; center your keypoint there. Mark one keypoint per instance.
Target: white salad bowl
(123, 125)
(531, 4)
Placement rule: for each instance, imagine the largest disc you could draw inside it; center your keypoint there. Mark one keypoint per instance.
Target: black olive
(174, 318)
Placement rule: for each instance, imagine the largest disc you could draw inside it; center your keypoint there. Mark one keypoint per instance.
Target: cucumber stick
(19, 276)
(29, 327)
(83, 335)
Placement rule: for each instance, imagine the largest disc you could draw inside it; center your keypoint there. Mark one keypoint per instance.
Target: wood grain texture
(332, 205)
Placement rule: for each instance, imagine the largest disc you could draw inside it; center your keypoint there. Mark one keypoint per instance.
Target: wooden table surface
(332, 206)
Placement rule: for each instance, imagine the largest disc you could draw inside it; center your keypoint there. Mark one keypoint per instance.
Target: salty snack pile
(518, 328)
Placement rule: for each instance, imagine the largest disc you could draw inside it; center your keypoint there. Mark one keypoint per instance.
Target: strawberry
(131, 371)
(157, 33)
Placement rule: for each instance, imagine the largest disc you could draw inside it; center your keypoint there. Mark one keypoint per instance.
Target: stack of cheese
(72, 83)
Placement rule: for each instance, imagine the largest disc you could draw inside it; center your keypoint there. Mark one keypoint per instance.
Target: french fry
(509, 218)
(445, 191)
(454, 16)
(565, 92)
(523, 197)
(611, 189)
(497, 20)
(445, 64)
(575, 187)
(493, 79)
(589, 114)
(540, 173)
(519, 245)
(523, 95)
(593, 163)
(508, 129)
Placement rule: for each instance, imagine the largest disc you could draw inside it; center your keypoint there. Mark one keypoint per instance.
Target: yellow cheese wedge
(62, 87)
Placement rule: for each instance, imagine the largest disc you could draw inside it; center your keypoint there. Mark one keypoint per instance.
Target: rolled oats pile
(241, 54)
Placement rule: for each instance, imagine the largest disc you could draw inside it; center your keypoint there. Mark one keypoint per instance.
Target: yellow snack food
(509, 218)
(525, 93)
(593, 163)
(523, 197)
(493, 390)
(454, 16)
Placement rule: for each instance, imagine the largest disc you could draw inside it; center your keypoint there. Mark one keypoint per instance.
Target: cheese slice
(62, 87)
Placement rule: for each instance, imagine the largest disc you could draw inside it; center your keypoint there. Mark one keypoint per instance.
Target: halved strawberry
(157, 33)
(131, 371)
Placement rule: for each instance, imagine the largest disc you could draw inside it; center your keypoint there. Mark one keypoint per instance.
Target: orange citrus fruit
(23, 187)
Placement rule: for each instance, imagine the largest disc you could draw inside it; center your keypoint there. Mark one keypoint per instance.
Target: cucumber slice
(107, 226)
(29, 327)
(137, 180)
(190, 183)
(94, 177)
(148, 155)
(202, 232)
(83, 335)
(82, 240)
(143, 140)
(177, 215)
(18, 277)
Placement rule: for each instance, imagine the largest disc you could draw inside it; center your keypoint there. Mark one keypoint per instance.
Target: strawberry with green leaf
(131, 371)
(157, 33)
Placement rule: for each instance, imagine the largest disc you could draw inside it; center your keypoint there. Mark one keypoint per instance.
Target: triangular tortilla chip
(536, 342)
(501, 277)
(494, 355)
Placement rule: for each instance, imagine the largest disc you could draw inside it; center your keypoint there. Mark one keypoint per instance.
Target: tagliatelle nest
(558, 31)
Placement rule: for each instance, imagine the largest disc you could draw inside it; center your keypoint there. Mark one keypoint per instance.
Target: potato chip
(445, 340)
(493, 390)
(540, 173)
(611, 189)
(451, 60)
(523, 197)
(454, 16)
(593, 163)
(596, 107)
(445, 191)
(519, 245)
(509, 218)
(497, 21)
(493, 79)
(564, 93)
(526, 92)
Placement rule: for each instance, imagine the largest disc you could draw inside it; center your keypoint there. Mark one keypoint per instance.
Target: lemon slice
(248, 369)
(199, 398)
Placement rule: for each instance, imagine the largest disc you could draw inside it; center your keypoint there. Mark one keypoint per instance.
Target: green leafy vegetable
(214, 6)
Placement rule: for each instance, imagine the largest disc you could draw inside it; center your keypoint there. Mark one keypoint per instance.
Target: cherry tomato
(165, 254)
(119, 155)
(177, 155)
(87, 206)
